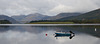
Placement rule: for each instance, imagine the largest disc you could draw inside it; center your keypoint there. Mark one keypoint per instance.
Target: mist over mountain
(19, 17)
(30, 17)
(95, 14)
(4, 17)
(33, 17)
(38, 16)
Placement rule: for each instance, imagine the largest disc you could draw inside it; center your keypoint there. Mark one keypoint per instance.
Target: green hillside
(5, 22)
(92, 15)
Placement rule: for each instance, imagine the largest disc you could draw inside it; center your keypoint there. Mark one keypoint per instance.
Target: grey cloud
(46, 7)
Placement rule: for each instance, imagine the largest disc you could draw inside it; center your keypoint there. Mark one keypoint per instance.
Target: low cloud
(46, 7)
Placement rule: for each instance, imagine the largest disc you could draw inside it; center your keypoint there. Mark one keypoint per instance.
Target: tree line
(5, 22)
(75, 21)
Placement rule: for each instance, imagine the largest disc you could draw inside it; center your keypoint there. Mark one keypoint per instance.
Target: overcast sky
(46, 7)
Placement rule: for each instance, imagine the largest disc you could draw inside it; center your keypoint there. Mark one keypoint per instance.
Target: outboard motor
(72, 35)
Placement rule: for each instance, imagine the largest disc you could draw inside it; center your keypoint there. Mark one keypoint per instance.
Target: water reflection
(5, 28)
(36, 35)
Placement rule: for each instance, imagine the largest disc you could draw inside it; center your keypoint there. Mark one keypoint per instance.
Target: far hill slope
(33, 17)
(4, 17)
(86, 16)
(19, 17)
(30, 17)
(62, 15)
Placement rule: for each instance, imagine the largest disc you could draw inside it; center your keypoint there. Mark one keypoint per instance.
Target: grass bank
(52, 23)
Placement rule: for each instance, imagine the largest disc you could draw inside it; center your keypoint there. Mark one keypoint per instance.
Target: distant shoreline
(44, 24)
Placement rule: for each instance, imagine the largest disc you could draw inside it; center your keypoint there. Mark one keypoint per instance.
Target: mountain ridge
(30, 17)
(95, 14)
(62, 15)
(4, 17)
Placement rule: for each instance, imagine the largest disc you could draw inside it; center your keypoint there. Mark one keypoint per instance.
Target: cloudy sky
(46, 7)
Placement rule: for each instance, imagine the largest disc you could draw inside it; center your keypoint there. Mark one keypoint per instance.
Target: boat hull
(62, 34)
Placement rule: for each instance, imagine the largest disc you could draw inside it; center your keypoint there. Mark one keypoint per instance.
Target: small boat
(69, 34)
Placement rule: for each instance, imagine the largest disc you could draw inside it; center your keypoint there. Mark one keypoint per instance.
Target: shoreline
(44, 24)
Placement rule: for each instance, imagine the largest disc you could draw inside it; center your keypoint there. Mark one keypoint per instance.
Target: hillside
(95, 14)
(5, 22)
(37, 16)
(30, 17)
(4, 17)
(33, 17)
(62, 15)
(19, 17)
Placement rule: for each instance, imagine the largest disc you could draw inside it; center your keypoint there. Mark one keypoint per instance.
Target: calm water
(36, 35)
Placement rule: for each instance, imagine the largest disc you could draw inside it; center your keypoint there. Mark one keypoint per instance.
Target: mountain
(4, 17)
(62, 15)
(33, 17)
(19, 17)
(30, 17)
(95, 14)
(38, 16)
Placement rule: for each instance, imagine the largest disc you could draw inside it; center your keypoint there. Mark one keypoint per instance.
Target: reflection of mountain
(5, 28)
(36, 35)
(37, 30)
(83, 29)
